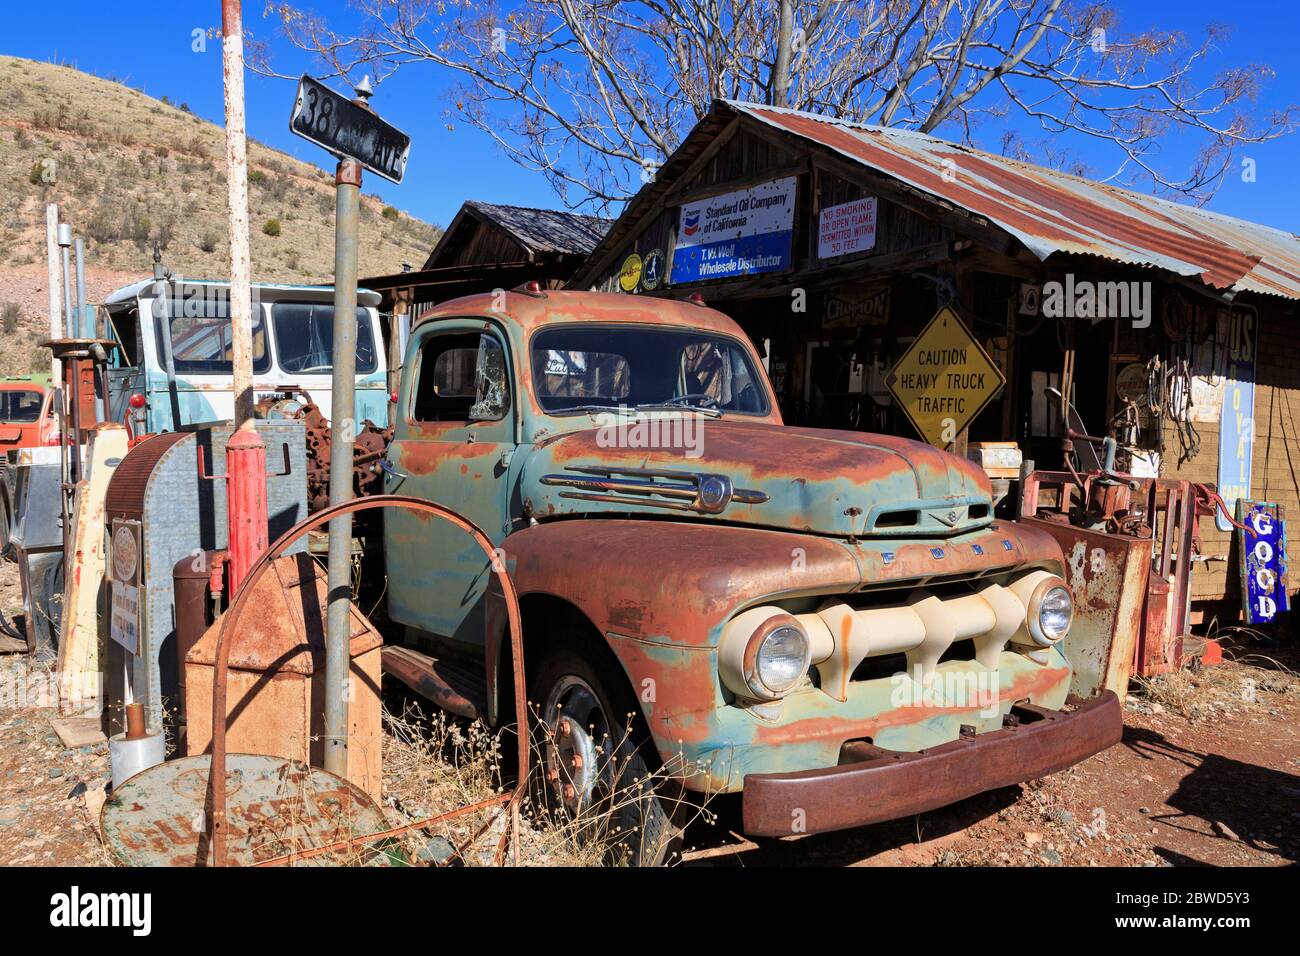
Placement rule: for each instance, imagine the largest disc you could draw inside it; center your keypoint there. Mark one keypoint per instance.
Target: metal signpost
(351, 131)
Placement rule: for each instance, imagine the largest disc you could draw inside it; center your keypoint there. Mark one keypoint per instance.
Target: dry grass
(1243, 683)
(127, 169)
(435, 764)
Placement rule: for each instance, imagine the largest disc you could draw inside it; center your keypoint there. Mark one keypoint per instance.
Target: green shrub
(256, 176)
(271, 227)
(390, 212)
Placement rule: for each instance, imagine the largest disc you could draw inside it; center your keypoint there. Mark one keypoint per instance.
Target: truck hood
(841, 483)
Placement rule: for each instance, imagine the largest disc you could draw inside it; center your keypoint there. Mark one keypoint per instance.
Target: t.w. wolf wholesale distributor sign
(739, 233)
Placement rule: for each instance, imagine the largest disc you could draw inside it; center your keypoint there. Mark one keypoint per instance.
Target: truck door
(453, 444)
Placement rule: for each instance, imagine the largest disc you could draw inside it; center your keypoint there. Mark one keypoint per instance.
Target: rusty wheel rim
(579, 751)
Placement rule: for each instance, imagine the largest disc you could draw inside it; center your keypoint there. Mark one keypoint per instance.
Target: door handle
(388, 469)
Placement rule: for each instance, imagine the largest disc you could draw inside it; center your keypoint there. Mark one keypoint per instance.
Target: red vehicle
(27, 420)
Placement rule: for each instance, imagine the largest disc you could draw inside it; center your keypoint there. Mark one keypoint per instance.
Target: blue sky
(148, 44)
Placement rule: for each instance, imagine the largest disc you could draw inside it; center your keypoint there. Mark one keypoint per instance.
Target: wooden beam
(677, 198)
(622, 238)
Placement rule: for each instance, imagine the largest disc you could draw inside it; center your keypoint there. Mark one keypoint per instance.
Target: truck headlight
(1051, 611)
(764, 654)
(781, 660)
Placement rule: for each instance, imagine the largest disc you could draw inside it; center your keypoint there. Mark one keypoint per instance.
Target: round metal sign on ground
(276, 807)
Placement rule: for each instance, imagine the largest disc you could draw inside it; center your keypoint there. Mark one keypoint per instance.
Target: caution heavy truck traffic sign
(944, 379)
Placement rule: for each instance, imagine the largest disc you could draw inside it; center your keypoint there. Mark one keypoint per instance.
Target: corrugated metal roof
(1050, 211)
(546, 230)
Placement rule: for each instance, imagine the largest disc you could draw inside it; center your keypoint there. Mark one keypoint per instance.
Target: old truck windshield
(304, 338)
(577, 367)
(20, 406)
(201, 336)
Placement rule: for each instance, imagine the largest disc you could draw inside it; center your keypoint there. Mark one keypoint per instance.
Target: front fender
(660, 592)
(670, 582)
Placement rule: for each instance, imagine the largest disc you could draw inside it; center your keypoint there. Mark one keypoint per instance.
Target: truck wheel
(4, 524)
(593, 771)
(46, 609)
(6, 509)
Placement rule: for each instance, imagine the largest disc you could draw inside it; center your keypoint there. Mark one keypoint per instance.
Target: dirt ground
(1214, 782)
(1208, 773)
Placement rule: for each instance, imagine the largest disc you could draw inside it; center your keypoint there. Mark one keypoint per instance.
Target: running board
(452, 687)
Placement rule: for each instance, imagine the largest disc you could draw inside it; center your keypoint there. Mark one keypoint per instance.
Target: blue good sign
(1263, 561)
(1237, 416)
(746, 232)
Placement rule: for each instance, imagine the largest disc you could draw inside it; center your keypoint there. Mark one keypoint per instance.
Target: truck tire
(610, 794)
(6, 509)
(46, 608)
(5, 523)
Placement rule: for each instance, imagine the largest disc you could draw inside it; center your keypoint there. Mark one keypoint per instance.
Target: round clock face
(126, 555)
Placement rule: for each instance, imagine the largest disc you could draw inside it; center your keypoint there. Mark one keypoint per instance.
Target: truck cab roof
(529, 311)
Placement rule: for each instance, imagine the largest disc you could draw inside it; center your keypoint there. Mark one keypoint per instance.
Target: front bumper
(872, 785)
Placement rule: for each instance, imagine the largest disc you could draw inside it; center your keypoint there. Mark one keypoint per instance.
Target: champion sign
(740, 233)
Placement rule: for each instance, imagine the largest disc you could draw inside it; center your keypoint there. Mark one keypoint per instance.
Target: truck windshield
(20, 406)
(578, 367)
(200, 327)
(304, 338)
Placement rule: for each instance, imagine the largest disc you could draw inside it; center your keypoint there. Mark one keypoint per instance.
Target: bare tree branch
(595, 94)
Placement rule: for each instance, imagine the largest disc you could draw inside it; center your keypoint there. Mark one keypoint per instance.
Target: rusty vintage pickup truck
(831, 624)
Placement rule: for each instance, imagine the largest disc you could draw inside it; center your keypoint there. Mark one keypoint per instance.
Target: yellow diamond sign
(944, 379)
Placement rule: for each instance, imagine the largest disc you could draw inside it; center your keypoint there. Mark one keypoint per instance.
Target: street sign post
(944, 379)
(348, 130)
(358, 139)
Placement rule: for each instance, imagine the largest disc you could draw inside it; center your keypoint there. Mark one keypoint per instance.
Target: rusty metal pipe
(217, 769)
(53, 279)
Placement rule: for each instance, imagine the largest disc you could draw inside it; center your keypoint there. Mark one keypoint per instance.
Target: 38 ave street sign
(333, 121)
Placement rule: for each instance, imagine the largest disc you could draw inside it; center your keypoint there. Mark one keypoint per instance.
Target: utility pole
(245, 451)
(232, 65)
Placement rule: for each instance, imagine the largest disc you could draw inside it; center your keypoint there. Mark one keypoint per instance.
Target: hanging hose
(1178, 407)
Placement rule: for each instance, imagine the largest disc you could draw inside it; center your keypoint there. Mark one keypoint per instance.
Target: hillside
(127, 169)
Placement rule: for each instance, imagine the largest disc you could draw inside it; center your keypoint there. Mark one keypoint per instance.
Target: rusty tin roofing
(1051, 211)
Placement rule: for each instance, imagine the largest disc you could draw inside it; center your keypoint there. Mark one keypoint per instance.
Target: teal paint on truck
(660, 529)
